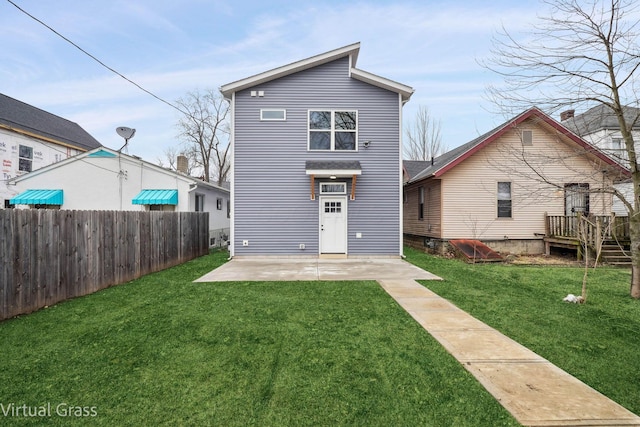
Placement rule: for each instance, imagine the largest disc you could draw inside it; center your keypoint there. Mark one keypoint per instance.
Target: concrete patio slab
(293, 269)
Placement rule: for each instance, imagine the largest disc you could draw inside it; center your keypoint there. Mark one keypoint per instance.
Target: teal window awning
(156, 197)
(38, 197)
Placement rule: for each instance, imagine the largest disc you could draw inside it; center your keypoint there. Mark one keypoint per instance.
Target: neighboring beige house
(499, 187)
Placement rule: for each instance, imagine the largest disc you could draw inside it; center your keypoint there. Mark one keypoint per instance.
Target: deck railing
(593, 227)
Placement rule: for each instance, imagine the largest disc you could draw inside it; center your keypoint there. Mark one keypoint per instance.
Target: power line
(95, 59)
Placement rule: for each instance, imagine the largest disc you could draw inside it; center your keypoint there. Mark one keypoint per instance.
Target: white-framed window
(219, 204)
(527, 137)
(25, 158)
(504, 200)
(273, 114)
(333, 188)
(420, 203)
(333, 130)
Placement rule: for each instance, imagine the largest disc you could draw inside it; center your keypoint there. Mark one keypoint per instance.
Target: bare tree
(204, 130)
(579, 55)
(424, 138)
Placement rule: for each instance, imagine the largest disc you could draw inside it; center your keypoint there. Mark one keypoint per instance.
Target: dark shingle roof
(600, 117)
(414, 167)
(450, 156)
(18, 115)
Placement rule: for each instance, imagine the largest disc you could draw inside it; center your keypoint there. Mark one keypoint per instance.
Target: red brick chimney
(567, 115)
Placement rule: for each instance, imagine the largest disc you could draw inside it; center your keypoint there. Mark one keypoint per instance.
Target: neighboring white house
(31, 138)
(104, 179)
(599, 126)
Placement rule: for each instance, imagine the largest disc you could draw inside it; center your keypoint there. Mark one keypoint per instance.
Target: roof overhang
(364, 76)
(333, 168)
(350, 50)
(38, 197)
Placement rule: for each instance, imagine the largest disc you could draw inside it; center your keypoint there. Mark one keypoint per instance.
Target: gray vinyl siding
(273, 210)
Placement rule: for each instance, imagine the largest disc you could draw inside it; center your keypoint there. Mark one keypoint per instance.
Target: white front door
(333, 225)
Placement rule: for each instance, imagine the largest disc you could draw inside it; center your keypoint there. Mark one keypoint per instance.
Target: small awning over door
(38, 197)
(156, 197)
(333, 169)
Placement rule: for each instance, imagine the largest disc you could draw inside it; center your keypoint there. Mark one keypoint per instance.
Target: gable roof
(28, 120)
(350, 51)
(104, 152)
(601, 117)
(450, 159)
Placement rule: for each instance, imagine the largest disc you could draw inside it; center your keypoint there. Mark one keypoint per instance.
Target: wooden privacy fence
(48, 256)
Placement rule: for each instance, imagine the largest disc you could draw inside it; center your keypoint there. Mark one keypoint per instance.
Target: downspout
(401, 103)
(232, 169)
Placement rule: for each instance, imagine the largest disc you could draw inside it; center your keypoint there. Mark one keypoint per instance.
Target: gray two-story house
(317, 160)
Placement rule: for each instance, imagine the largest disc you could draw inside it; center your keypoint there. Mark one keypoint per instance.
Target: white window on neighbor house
(199, 202)
(219, 203)
(504, 200)
(25, 158)
(333, 188)
(333, 130)
(275, 114)
(527, 137)
(618, 144)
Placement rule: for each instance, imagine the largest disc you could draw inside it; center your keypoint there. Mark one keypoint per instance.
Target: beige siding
(469, 206)
(430, 225)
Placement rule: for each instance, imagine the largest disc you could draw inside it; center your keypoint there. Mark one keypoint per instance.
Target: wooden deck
(573, 231)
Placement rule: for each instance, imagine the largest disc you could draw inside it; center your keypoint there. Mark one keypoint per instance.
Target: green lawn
(598, 342)
(162, 350)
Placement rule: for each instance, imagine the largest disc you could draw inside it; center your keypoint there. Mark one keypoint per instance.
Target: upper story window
(527, 137)
(333, 130)
(25, 158)
(618, 144)
(273, 114)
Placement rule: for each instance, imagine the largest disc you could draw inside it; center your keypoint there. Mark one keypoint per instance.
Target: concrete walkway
(534, 391)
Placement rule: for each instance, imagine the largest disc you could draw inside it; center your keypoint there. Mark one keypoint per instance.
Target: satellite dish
(125, 132)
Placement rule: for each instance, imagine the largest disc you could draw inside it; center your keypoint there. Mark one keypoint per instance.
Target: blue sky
(172, 47)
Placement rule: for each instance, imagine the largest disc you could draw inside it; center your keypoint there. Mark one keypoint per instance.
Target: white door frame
(342, 199)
